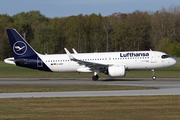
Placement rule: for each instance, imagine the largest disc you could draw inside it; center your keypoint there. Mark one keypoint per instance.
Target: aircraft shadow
(110, 80)
(102, 80)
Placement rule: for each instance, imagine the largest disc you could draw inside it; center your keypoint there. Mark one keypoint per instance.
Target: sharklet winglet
(69, 54)
(75, 52)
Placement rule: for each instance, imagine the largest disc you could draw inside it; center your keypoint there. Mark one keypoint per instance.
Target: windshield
(164, 56)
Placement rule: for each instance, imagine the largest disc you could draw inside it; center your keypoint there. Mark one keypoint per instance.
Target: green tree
(175, 49)
(121, 37)
(140, 27)
(45, 40)
(165, 46)
(27, 23)
(5, 49)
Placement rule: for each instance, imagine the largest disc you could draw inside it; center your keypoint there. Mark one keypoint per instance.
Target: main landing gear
(153, 74)
(95, 77)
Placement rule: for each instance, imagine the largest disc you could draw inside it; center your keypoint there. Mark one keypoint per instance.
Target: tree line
(134, 31)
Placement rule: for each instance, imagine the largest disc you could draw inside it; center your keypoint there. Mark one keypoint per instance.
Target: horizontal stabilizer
(10, 61)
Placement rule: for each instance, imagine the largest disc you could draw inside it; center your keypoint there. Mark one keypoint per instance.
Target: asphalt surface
(167, 87)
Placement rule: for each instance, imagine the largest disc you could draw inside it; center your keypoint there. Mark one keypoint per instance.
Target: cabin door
(153, 58)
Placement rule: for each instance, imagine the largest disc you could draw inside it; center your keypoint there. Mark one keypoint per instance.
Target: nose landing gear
(153, 74)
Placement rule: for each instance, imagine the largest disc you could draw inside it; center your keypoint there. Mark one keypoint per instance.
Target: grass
(50, 88)
(92, 108)
(10, 71)
(80, 108)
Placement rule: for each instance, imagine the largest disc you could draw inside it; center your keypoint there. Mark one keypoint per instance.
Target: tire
(154, 77)
(95, 78)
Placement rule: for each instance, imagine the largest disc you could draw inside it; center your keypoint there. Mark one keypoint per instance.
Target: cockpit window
(164, 56)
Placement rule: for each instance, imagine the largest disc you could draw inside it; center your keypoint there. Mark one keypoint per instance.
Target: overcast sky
(62, 8)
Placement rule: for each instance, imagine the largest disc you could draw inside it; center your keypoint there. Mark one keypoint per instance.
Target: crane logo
(19, 48)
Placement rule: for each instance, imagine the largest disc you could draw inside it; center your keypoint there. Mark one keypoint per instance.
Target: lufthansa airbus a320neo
(114, 64)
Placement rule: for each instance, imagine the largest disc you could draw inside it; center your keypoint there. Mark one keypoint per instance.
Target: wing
(91, 65)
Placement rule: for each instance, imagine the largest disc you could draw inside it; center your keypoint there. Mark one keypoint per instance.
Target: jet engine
(117, 71)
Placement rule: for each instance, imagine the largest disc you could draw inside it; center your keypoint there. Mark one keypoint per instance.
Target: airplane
(114, 64)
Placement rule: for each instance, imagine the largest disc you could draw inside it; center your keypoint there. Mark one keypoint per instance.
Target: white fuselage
(131, 60)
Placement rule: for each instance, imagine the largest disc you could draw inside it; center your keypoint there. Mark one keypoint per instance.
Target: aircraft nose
(173, 62)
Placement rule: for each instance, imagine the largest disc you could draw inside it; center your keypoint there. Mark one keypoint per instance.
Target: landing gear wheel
(95, 77)
(154, 77)
(153, 74)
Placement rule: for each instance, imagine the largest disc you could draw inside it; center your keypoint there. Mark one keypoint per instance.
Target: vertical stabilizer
(20, 48)
(24, 54)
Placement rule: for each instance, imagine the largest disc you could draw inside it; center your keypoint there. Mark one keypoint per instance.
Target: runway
(166, 87)
(161, 83)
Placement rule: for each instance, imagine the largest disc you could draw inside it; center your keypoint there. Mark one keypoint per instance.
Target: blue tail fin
(20, 48)
(24, 54)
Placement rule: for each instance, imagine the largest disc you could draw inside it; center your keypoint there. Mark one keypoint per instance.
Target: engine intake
(117, 71)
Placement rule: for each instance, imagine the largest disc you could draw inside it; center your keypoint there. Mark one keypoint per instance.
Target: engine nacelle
(117, 71)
